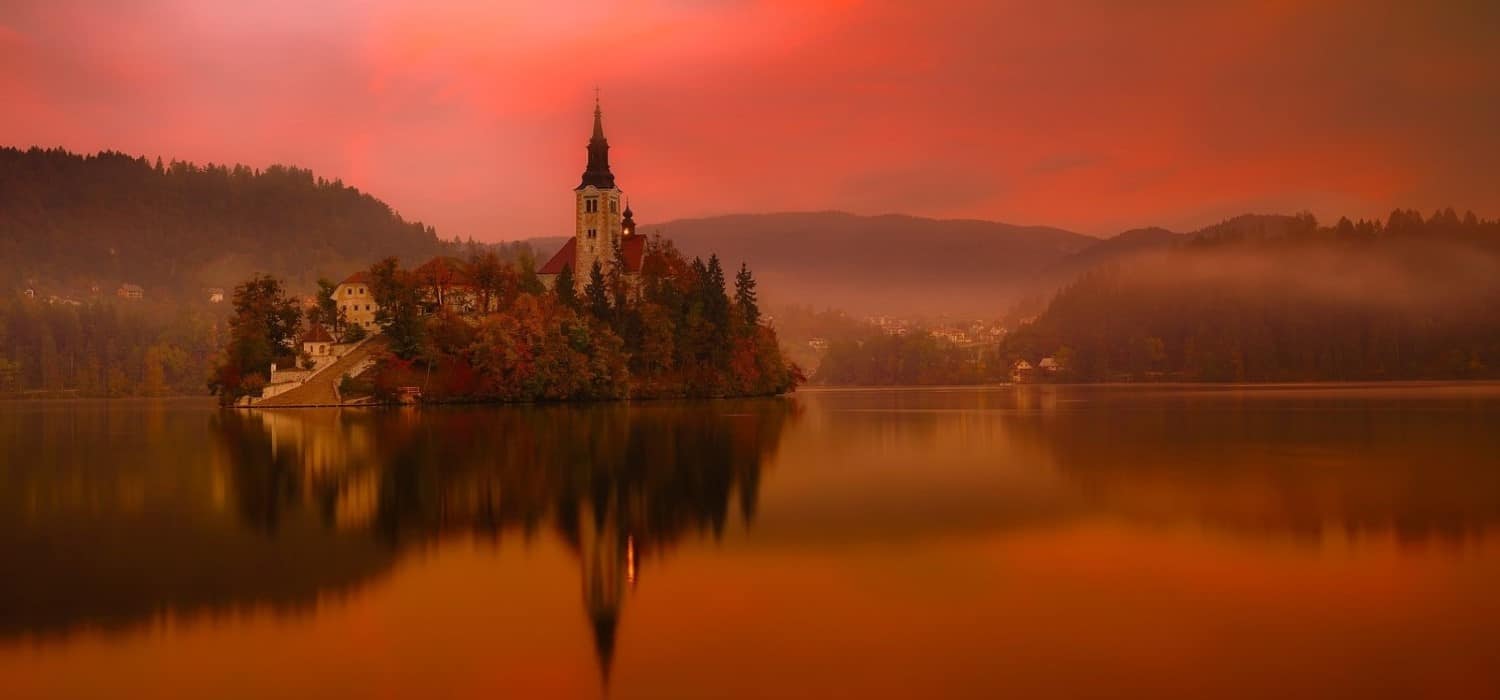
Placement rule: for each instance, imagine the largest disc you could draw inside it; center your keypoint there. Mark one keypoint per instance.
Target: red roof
(635, 253)
(361, 277)
(317, 334)
(563, 258)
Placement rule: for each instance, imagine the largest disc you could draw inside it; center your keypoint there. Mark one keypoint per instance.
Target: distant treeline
(917, 358)
(102, 349)
(1259, 299)
(72, 221)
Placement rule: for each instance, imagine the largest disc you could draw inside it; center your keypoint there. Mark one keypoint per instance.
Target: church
(601, 221)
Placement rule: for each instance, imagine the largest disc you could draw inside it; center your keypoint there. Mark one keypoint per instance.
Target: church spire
(597, 172)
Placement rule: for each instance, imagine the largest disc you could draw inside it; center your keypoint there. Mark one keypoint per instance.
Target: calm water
(1032, 541)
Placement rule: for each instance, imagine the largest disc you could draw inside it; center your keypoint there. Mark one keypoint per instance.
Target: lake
(1030, 541)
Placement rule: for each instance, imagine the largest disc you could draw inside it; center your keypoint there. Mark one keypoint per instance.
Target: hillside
(880, 264)
(72, 222)
(1283, 299)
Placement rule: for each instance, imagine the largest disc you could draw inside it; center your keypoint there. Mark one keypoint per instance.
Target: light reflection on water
(1179, 541)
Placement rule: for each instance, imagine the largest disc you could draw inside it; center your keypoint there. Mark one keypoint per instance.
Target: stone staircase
(321, 389)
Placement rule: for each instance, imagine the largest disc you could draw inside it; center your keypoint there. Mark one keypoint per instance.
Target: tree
(261, 331)
(619, 285)
(528, 282)
(565, 288)
(596, 293)
(327, 309)
(715, 299)
(264, 309)
(488, 273)
(744, 296)
(399, 303)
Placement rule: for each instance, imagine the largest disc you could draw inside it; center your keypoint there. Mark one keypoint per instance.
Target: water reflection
(618, 483)
(114, 530)
(1420, 464)
(1174, 541)
(116, 513)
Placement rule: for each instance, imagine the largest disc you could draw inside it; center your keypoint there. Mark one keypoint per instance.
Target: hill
(1283, 299)
(880, 264)
(74, 221)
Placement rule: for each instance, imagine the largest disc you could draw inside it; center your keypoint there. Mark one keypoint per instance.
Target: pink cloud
(1087, 114)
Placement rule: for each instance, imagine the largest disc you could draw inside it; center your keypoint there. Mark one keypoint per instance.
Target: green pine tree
(563, 287)
(596, 293)
(744, 296)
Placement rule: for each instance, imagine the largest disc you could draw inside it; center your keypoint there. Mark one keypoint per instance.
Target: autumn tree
(487, 271)
(399, 307)
(262, 331)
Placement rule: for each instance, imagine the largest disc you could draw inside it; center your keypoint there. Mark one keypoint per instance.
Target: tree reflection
(1305, 462)
(620, 484)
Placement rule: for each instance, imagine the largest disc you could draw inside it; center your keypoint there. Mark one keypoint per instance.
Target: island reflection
(619, 483)
(322, 501)
(1016, 503)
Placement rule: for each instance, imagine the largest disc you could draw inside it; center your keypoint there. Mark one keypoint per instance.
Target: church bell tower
(597, 205)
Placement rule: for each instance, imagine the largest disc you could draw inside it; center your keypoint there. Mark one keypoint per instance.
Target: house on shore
(355, 300)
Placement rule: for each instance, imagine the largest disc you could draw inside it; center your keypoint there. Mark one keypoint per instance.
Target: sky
(1092, 115)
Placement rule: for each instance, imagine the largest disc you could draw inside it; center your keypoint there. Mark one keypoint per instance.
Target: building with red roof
(356, 301)
(317, 342)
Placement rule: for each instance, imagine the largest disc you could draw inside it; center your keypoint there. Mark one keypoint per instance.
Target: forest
(674, 330)
(73, 222)
(101, 349)
(75, 227)
(1264, 299)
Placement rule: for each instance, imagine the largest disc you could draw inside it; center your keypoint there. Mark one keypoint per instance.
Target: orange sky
(1092, 115)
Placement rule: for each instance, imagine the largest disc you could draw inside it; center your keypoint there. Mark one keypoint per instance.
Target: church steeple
(597, 172)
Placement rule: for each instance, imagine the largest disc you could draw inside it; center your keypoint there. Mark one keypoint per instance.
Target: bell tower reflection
(608, 559)
(618, 483)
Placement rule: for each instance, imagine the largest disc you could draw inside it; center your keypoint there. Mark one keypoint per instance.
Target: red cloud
(1093, 115)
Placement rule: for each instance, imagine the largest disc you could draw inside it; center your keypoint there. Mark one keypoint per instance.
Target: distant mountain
(69, 221)
(1278, 298)
(1120, 247)
(880, 264)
